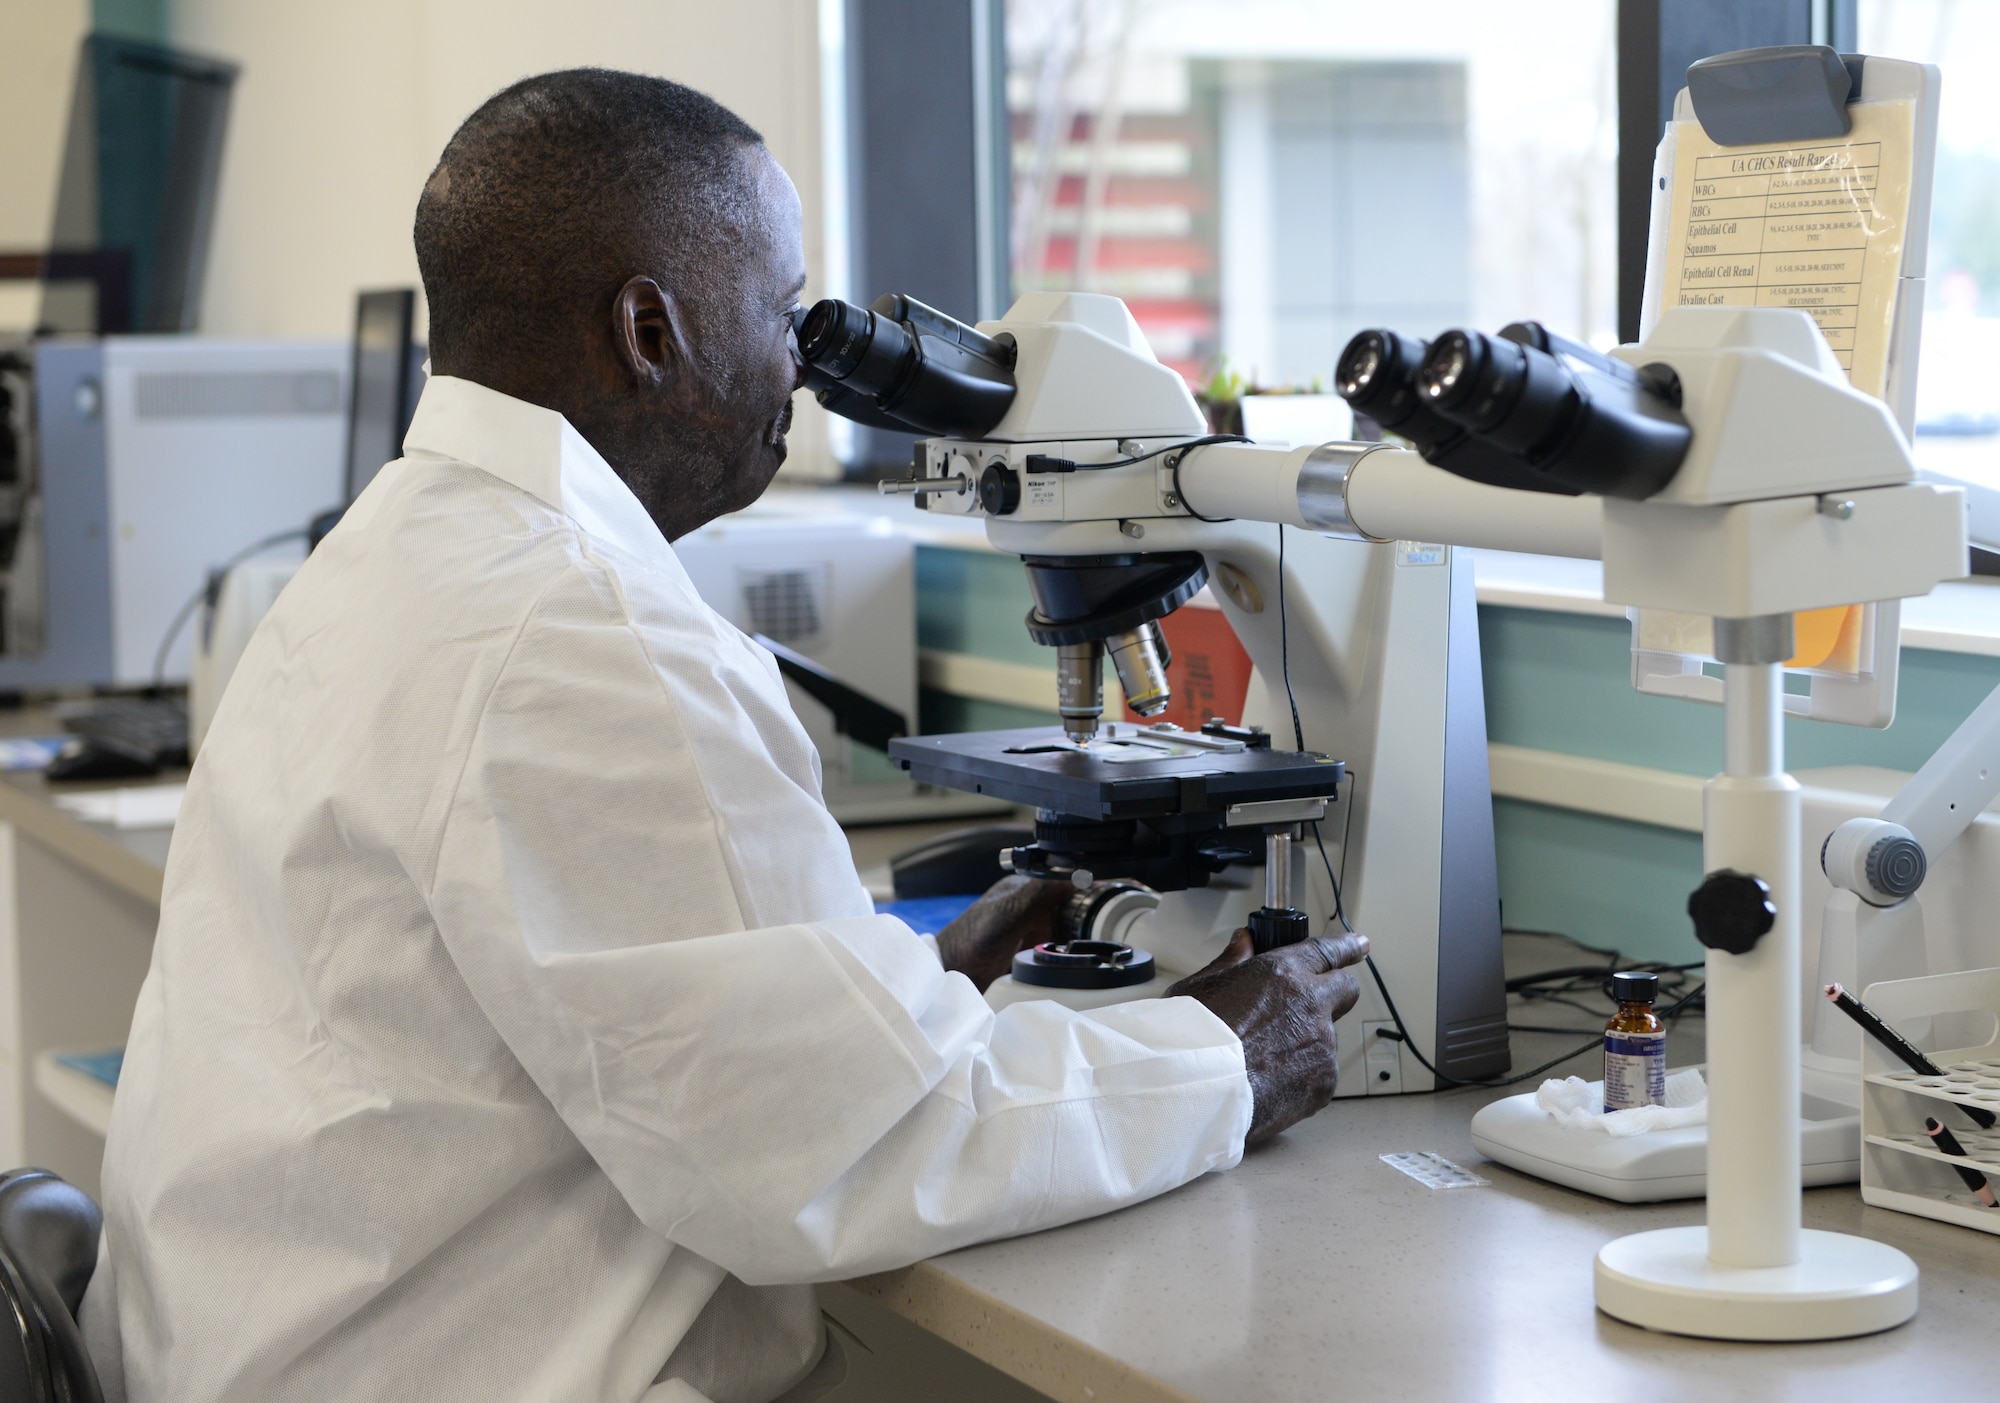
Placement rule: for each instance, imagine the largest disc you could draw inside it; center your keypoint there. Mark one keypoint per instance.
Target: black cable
(1338, 910)
(1285, 646)
(1299, 734)
(1525, 981)
(1402, 1029)
(1547, 999)
(1184, 447)
(195, 599)
(1569, 940)
(1180, 452)
(1403, 1032)
(173, 632)
(1299, 742)
(1700, 991)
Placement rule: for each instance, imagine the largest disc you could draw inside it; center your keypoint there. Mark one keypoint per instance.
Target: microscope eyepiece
(1377, 375)
(1476, 381)
(834, 335)
(1569, 418)
(902, 365)
(1442, 377)
(1382, 375)
(1360, 369)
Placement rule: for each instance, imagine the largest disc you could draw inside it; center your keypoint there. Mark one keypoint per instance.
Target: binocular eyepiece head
(1524, 409)
(898, 364)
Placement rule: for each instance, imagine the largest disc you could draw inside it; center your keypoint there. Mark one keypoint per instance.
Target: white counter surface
(1313, 1271)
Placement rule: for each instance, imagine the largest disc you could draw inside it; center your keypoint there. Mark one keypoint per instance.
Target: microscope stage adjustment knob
(1732, 911)
(999, 490)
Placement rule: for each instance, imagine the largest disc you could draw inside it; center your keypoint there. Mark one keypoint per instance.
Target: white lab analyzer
(156, 458)
(837, 590)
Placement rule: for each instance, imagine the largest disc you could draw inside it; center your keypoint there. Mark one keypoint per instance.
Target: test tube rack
(1900, 1168)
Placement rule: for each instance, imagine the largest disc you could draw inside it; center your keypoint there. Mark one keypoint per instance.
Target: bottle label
(1635, 1070)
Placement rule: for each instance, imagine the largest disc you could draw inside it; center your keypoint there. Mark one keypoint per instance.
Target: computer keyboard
(157, 727)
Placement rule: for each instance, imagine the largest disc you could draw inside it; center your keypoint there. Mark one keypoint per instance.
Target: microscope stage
(1129, 772)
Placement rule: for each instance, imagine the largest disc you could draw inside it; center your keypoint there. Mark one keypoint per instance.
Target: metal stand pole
(1753, 1273)
(1750, 824)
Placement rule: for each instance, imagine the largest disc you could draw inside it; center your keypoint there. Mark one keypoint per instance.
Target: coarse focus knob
(999, 490)
(1273, 926)
(1896, 866)
(1732, 911)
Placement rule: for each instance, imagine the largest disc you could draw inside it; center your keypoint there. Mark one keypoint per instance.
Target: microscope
(1355, 785)
(1722, 467)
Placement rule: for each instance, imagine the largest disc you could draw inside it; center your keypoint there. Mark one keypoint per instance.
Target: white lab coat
(518, 1028)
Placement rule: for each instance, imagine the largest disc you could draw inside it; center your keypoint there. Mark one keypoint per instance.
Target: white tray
(1658, 1165)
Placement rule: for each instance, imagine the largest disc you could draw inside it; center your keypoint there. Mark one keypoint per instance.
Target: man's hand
(1282, 1005)
(1016, 912)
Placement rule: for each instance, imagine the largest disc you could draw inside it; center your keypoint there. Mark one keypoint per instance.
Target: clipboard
(1795, 176)
(1799, 177)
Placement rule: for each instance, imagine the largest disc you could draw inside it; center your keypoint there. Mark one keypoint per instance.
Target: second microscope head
(1525, 409)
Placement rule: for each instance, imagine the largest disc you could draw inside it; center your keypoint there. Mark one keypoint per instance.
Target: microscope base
(1840, 1286)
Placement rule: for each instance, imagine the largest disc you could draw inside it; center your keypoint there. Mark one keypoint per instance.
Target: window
(1958, 391)
(1260, 179)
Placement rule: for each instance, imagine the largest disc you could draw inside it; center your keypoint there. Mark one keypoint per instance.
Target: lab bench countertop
(1314, 1271)
(132, 859)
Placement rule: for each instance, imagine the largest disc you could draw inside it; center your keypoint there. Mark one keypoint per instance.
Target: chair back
(48, 1250)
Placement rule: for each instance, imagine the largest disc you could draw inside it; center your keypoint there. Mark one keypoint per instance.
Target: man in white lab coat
(518, 1028)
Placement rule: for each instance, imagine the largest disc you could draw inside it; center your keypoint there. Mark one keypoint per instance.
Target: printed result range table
(1784, 229)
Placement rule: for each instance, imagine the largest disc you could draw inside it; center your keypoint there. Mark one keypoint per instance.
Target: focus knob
(1273, 926)
(999, 490)
(1732, 911)
(1896, 866)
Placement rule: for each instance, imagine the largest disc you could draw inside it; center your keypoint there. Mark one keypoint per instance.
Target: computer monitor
(385, 378)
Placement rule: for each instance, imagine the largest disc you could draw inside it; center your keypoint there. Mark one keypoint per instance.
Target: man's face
(766, 368)
(721, 428)
(693, 414)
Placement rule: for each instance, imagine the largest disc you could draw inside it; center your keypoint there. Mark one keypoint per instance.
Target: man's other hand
(1282, 1005)
(1016, 912)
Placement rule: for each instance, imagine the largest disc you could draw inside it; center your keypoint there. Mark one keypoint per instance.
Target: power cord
(1402, 1035)
(1183, 447)
(213, 582)
(1401, 1032)
(1180, 452)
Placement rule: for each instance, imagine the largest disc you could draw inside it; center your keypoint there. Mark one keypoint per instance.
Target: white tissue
(1579, 1105)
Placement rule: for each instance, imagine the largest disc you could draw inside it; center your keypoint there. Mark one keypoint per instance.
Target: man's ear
(650, 334)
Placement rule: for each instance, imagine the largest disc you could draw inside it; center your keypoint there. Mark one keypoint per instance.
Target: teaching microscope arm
(1374, 492)
(1883, 860)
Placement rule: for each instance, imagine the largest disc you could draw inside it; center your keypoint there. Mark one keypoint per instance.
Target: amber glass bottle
(1635, 1046)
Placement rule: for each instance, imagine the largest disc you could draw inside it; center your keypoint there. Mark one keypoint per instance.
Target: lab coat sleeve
(795, 1101)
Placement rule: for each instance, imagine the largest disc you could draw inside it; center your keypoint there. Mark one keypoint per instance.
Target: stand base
(1840, 1286)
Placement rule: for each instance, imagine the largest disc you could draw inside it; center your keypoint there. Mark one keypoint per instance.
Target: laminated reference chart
(1816, 225)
